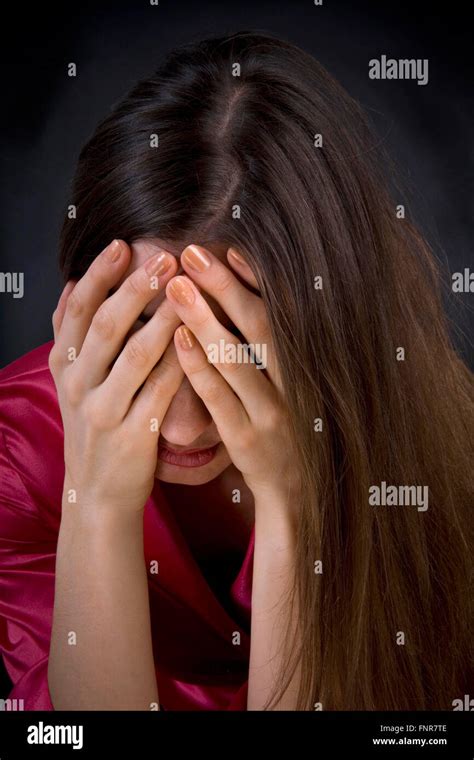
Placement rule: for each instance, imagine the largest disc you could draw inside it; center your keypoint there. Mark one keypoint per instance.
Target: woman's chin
(194, 476)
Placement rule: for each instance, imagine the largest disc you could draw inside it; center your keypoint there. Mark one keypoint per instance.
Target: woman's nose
(187, 417)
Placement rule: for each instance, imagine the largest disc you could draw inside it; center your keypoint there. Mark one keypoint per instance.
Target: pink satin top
(200, 664)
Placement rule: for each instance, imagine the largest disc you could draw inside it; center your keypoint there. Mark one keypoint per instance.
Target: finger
(58, 313)
(222, 404)
(221, 348)
(114, 318)
(151, 404)
(245, 309)
(138, 358)
(86, 297)
(238, 263)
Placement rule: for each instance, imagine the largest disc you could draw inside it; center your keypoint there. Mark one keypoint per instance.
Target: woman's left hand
(245, 402)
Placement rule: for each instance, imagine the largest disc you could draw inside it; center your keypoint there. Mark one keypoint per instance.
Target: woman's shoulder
(31, 362)
(27, 389)
(31, 433)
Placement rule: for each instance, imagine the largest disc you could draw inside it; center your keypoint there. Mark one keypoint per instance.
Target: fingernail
(185, 337)
(158, 264)
(181, 291)
(196, 258)
(113, 251)
(236, 256)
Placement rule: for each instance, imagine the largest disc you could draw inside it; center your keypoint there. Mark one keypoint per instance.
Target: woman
(320, 483)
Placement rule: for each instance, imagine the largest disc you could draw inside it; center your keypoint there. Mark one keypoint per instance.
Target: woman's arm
(273, 574)
(101, 650)
(247, 404)
(113, 390)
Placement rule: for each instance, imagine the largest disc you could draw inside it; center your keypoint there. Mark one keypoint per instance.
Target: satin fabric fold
(201, 649)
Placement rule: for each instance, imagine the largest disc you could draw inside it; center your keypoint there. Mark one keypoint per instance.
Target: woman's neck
(209, 514)
(221, 492)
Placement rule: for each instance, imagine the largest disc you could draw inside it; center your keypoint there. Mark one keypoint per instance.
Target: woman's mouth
(186, 458)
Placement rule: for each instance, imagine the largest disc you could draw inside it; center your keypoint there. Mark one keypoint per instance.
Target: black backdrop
(48, 115)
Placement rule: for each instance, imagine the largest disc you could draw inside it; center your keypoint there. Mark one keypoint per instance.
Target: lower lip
(194, 459)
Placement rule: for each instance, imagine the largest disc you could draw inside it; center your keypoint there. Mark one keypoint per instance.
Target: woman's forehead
(142, 250)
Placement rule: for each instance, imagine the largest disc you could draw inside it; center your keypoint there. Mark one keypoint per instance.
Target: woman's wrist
(81, 503)
(276, 519)
(101, 517)
(277, 506)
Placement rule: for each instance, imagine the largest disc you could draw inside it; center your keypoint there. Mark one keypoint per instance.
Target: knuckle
(247, 439)
(166, 316)
(154, 384)
(75, 304)
(97, 272)
(73, 389)
(103, 323)
(134, 286)
(233, 366)
(201, 318)
(260, 326)
(53, 360)
(198, 371)
(212, 392)
(135, 353)
(223, 281)
(159, 378)
(168, 362)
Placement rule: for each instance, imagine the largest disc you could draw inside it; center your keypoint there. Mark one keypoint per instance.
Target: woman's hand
(111, 423)
(245, 403)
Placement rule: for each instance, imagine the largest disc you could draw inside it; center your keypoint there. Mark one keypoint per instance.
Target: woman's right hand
(111, 423)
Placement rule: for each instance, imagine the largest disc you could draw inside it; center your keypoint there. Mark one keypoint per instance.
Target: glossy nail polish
(185, 337)
(158, 264)
(196, 258)
(181, 291)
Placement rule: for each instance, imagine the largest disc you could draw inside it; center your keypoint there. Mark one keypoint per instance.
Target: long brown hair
(247, 140)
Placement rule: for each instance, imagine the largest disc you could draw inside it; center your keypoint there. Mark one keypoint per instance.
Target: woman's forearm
(101, 649)
(273, 569)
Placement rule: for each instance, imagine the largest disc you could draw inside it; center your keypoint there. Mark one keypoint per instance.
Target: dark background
(47, 116)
